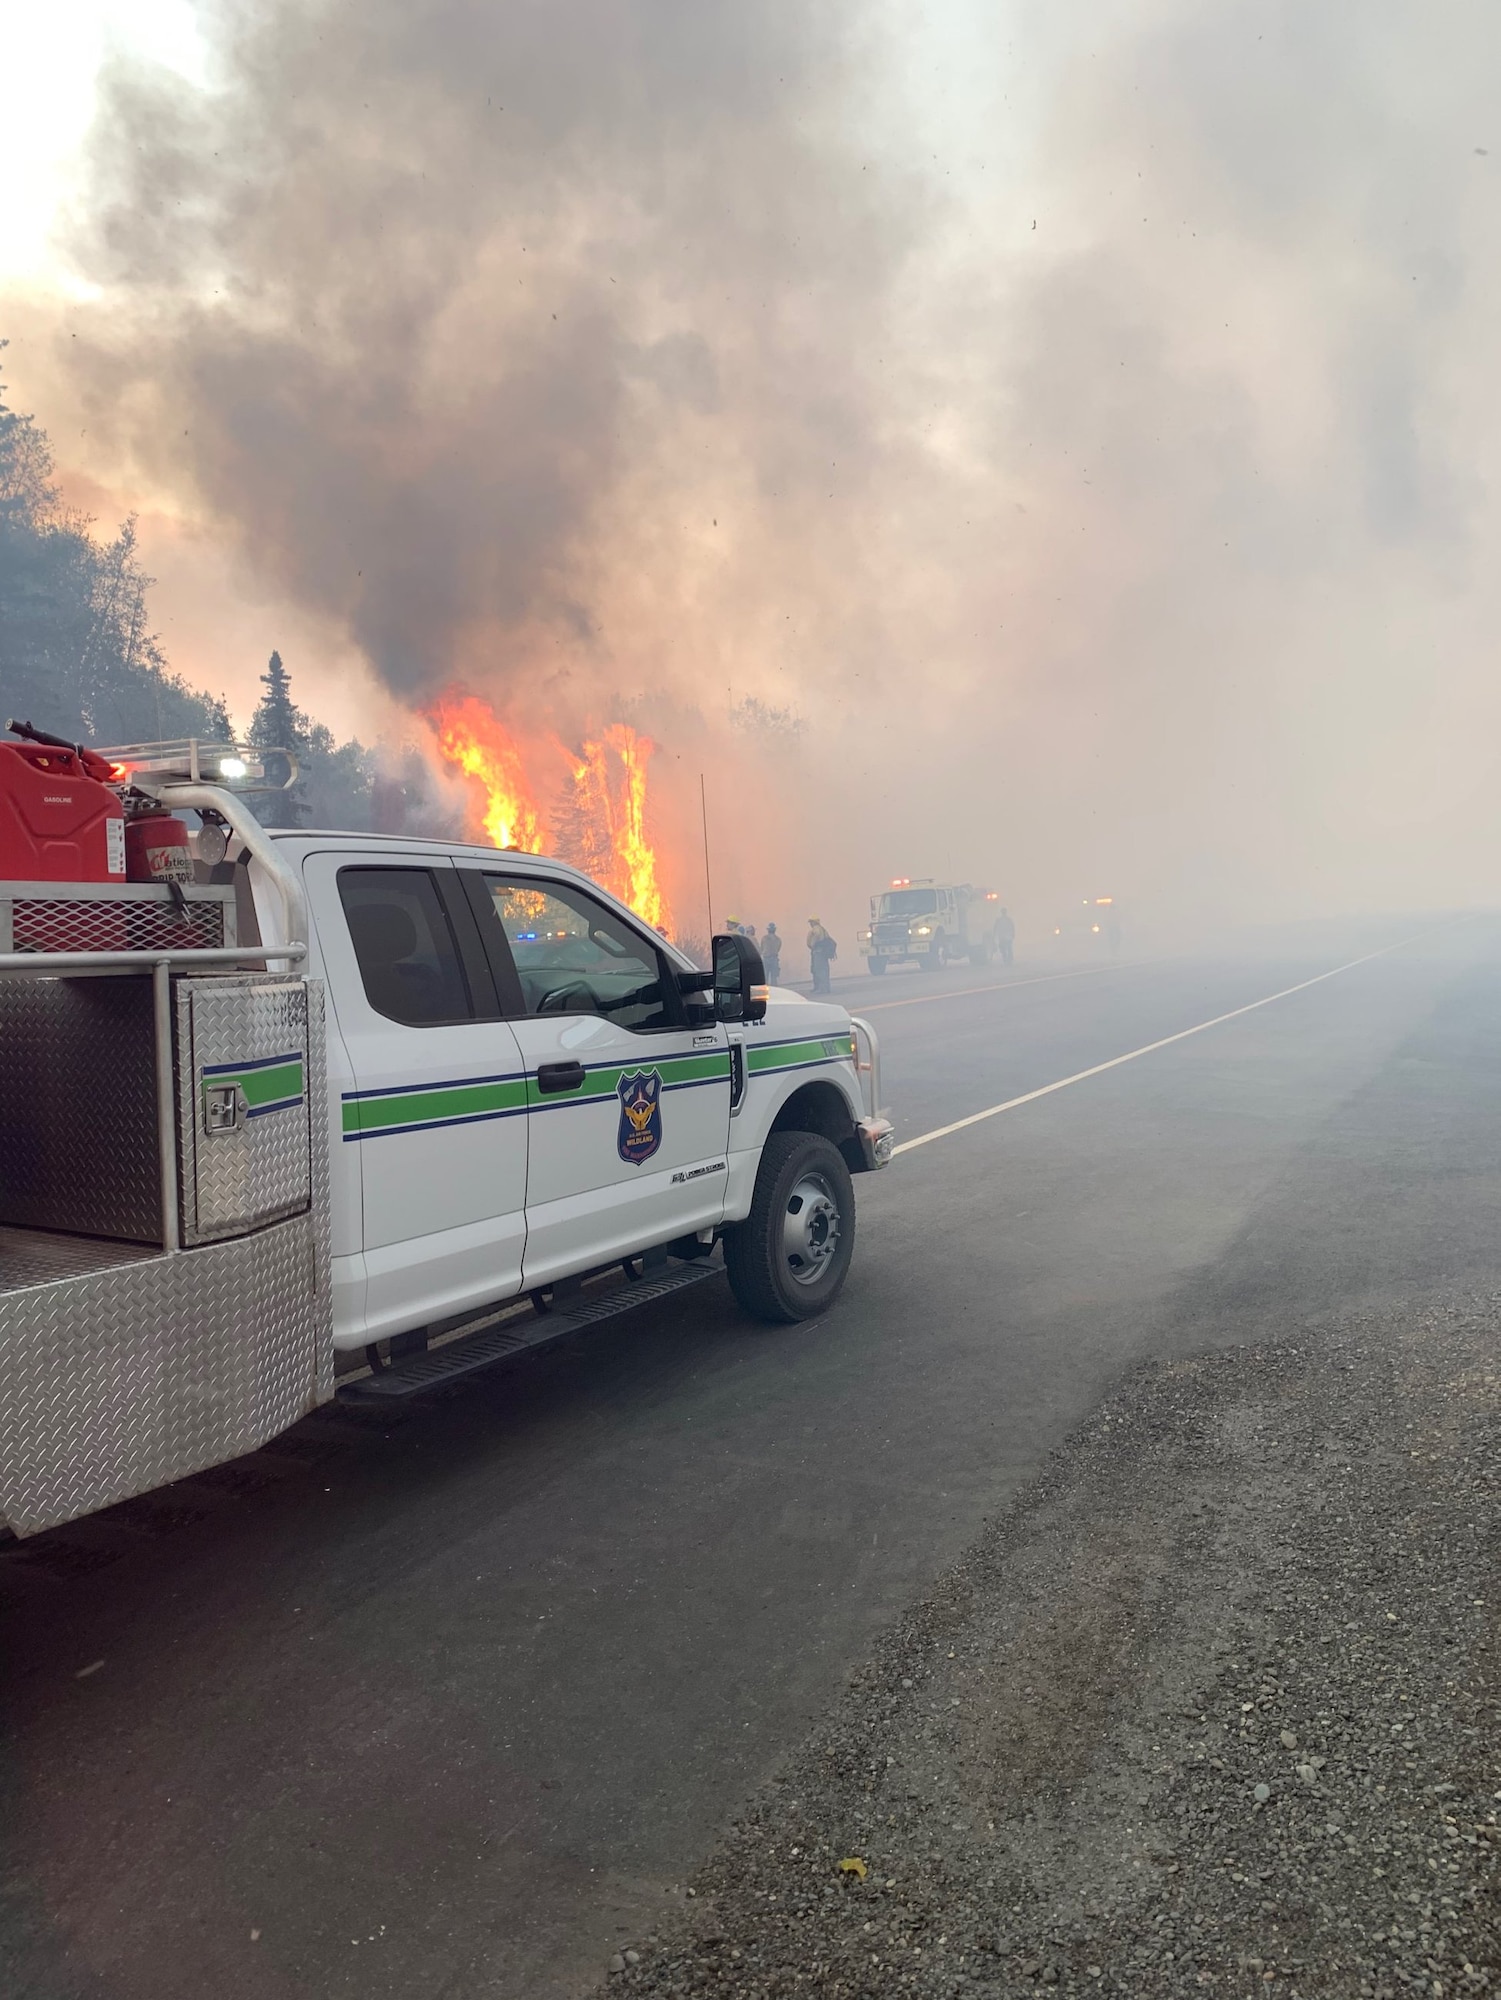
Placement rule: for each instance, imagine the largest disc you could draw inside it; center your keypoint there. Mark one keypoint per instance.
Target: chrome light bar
(240, 767)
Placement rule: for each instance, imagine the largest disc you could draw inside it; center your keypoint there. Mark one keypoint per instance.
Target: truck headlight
(923, 930)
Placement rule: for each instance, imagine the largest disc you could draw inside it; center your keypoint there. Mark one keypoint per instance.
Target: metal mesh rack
(114, 916)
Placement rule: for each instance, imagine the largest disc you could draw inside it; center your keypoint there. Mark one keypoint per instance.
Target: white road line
(1099, 1069)
(999, 986)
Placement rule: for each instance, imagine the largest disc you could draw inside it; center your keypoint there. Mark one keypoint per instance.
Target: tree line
(78, 657)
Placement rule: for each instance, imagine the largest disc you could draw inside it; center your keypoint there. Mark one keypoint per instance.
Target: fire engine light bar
(189, 760)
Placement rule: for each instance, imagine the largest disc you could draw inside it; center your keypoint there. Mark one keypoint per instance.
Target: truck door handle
(557, 1076)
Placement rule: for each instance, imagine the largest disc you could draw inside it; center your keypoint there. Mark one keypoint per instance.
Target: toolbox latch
(223, 1108)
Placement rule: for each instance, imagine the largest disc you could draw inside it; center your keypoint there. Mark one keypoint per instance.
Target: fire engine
(285, 1114)
(931, 924)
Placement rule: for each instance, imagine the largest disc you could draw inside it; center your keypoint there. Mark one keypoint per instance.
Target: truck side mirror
(739, 980)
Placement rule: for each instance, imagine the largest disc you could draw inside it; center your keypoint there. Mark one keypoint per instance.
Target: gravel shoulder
(1215, 1707)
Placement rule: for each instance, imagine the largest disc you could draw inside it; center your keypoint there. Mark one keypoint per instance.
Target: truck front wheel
(876, 965)
(789, 1258)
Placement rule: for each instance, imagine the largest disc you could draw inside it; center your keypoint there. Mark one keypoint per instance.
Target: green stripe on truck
(450, 1102)
(431, 1107)
(793, 1055)
(673, 1070)
(280, 1085)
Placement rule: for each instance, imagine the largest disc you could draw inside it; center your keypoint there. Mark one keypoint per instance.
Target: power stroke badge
(640, 1132)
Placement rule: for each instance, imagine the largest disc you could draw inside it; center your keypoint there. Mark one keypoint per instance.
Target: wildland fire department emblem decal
(640, 1116)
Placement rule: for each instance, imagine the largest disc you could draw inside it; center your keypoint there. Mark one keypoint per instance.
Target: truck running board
(464, 1356)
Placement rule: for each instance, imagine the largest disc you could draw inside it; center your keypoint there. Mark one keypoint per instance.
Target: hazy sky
(1079, 416)
(57, 51)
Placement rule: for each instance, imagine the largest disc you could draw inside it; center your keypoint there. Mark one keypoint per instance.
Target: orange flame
(614, 814)
(471, 735)
(600, 824)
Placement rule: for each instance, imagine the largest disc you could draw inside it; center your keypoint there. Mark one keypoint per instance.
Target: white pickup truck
(525, 1083)
(518, 1092)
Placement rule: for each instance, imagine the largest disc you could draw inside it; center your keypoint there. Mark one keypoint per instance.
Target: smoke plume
(1079, 418)
(502, 333)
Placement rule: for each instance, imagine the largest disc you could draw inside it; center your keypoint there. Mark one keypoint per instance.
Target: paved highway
(448, 1706)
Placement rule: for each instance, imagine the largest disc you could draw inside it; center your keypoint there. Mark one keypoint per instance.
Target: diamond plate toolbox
(78, 1108)
(122, 1370)
(130, 1377)
(244, 1051)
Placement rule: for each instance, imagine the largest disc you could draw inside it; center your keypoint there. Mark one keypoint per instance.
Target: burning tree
(472, 735)
(600, 821)
(581, 825)
(633, 871)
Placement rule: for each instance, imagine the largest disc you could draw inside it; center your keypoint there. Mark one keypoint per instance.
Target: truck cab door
(628, 1101)
(434, 1106)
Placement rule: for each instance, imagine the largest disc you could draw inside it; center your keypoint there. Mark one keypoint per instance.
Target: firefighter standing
(821, 948)
(1005, 936)
(771, 955)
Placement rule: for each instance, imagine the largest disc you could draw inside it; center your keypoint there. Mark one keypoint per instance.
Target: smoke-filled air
(1049, 446)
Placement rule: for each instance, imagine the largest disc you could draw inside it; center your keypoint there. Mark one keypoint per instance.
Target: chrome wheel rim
(811, 1228)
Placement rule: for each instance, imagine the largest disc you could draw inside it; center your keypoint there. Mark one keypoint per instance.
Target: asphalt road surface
(448, 1706)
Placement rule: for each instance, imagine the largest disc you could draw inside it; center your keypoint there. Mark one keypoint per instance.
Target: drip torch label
(114, 845)
(170, 864)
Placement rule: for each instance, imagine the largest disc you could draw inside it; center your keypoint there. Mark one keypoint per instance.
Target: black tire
(938, 957)
(762, 1270)
(877, 966)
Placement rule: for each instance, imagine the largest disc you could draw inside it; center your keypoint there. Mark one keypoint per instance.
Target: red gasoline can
(157, 850)
(57, 824)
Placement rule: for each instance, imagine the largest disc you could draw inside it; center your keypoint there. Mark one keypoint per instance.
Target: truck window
(908, 903)
(573, 956)
(408, 958)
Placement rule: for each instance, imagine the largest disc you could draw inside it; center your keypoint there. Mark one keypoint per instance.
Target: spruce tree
(279, 724)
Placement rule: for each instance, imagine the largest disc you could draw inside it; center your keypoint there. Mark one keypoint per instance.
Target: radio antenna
(703, 803)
